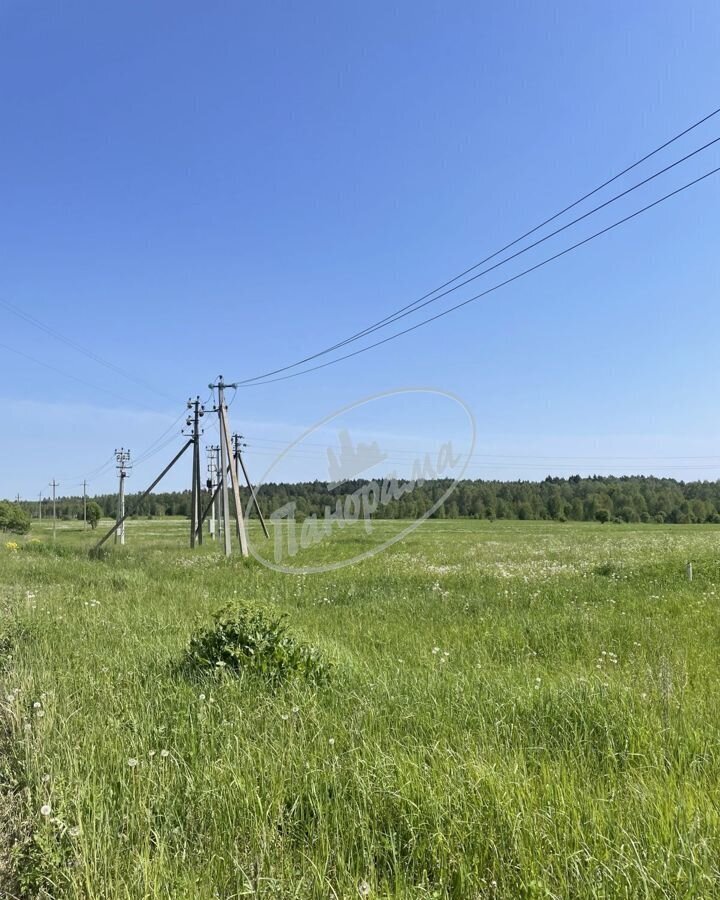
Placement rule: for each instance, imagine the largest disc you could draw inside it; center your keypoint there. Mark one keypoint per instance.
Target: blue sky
(187, 192)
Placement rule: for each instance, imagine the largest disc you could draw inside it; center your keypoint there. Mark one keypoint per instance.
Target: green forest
(631, 498)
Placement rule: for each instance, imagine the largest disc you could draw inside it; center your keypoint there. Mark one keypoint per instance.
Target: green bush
(247, 638)
(13, 518)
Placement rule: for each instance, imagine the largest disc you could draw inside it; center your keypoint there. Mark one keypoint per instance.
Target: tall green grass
(516, 710)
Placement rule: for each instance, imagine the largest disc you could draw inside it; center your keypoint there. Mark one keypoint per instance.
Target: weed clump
(248, 638)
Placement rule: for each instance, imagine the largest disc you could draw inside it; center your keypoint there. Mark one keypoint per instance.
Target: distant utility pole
(84, 504)
(211, 485)
(40, 506)
(17, 498)
(54, 485)
(238, 447)
(123, 458)
(193, 421)
(219, 512)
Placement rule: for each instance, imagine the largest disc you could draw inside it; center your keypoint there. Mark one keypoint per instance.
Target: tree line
(630, 498)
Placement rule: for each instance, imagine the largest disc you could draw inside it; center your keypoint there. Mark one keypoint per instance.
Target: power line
(500, 462)
(259, 442)
(94, 473)
(495, 287)
(149, 455)
(152, 448)
(401, 315)
(417, 303)
(39, 362)
(90, 354)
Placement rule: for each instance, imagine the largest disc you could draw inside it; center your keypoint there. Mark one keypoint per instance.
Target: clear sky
(188, 190)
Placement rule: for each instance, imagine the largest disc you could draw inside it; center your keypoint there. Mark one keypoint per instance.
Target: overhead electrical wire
(431, 297)
(90, 354)
(94, 473)
(148, 455)
(495, 287)
(158, 444)
(152, 448)
(420, 301)
(260, 441)
(486, 461)
(51, 368)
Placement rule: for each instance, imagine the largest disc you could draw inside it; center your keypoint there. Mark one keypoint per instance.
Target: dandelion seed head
(45, 809)
(132, 762)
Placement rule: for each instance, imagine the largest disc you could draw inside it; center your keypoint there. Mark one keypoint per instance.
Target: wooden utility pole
(40, 506)
(123, 458)
(84, 503)
(196, 492)
(54, 485)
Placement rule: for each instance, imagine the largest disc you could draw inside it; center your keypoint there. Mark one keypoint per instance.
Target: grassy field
(516, 710)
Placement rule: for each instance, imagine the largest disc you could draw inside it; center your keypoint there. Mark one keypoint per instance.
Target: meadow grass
(516, 710)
